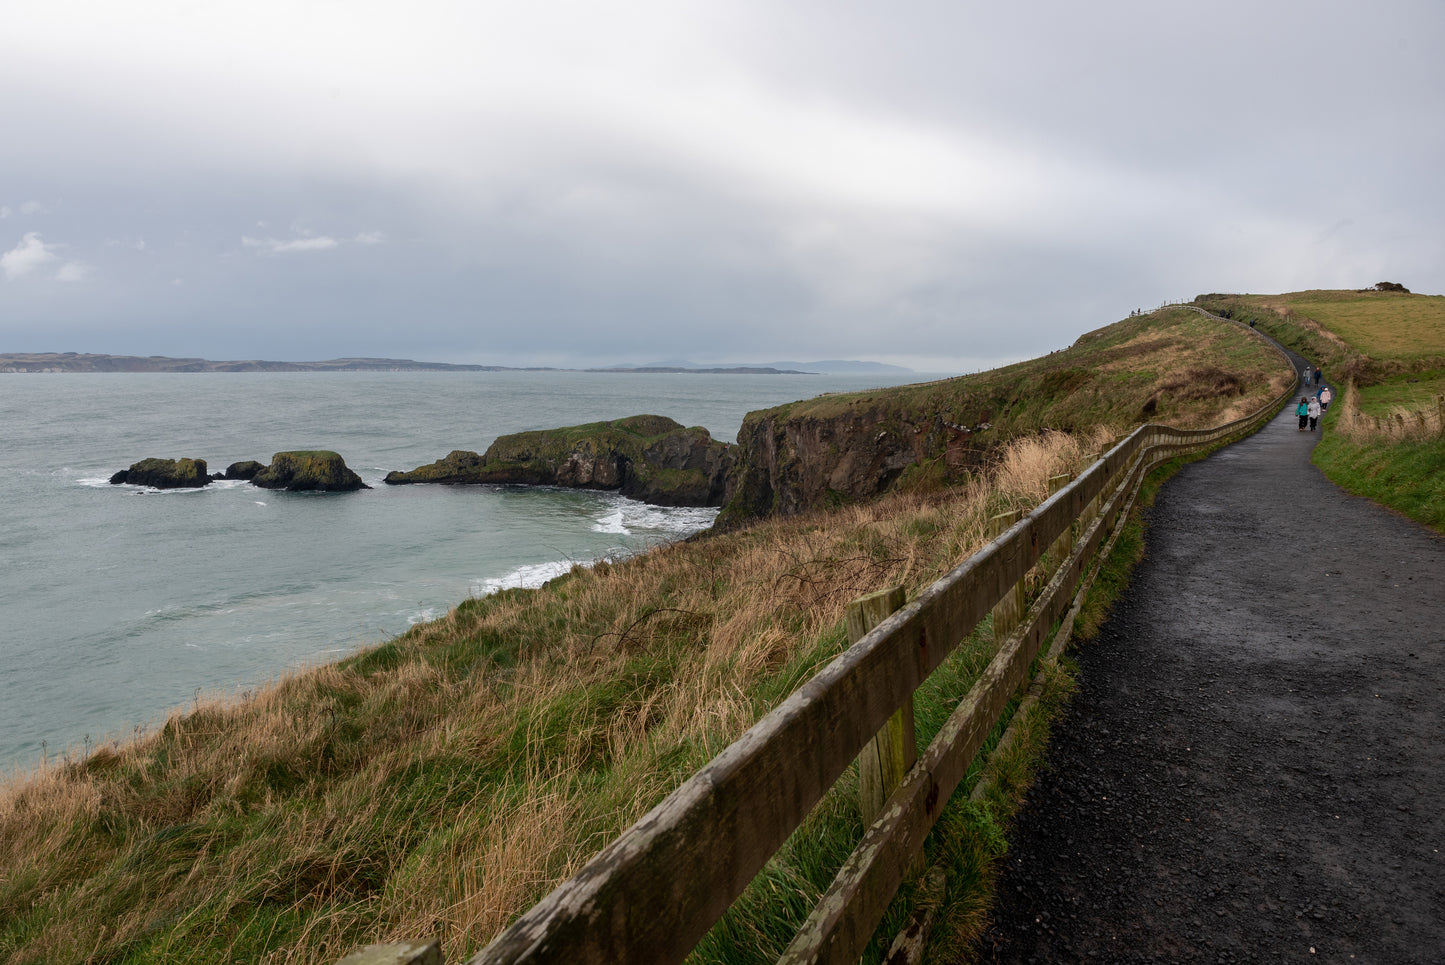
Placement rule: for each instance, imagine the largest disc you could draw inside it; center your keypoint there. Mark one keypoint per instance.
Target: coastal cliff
(849, 447)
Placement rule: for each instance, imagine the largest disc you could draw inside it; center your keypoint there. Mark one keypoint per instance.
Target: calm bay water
(117, 604)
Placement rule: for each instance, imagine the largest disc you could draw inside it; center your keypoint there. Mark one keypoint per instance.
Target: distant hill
(846, 367)
(826, 367)
(76, 362)
(85, 362)
(705, 370)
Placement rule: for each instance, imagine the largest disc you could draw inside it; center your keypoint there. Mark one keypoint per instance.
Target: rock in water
(243, 470)
(460, 466)
(165, 474)
(647, 457)
(317, 469)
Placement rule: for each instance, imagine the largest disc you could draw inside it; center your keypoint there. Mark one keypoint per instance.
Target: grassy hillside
(1385, 439)
(1174, 366)
(438, 784)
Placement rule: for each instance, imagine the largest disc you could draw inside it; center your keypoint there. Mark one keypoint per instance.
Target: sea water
(119, 603)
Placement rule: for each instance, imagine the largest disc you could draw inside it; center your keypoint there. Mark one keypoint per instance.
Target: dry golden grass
(443, 782)
(1396, 425)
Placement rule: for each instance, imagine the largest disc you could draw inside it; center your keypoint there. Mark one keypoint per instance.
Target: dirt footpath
(1253, 769)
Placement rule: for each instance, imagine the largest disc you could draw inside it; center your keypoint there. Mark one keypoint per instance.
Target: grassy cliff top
(633, 432)
(1380, 324)
(1173, 366)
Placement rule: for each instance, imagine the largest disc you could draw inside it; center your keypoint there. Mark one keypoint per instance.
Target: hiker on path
(1304, 375)
(1303, 411)
(1317, 375)
(1325, 396)
(1313, 411)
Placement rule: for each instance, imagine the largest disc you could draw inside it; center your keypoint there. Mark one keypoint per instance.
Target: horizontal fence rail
(654, 892)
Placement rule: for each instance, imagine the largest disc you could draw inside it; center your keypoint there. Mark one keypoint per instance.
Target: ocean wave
(612, 523)
(529, 576)
(625, 516)
(424, 615)
(216, 485)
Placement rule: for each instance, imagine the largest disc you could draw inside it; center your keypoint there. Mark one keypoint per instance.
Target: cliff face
(789, 462)
(647, 457)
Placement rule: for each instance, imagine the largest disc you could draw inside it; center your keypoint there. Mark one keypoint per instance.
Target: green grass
(1383, 325)
(1414, 391)
(1409, 477)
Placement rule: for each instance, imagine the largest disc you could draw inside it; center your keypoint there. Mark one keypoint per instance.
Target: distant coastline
(66, 362)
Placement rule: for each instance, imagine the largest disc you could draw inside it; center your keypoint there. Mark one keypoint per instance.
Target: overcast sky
(945, 185)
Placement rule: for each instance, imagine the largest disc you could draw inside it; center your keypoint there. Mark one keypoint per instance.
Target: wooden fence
(653, 893)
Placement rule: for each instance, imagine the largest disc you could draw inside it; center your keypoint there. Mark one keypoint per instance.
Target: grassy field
(439, 784)
(1385, 439)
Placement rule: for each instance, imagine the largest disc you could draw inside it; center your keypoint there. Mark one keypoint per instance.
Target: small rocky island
(318, 470)
(164, 474)
(310, 470)
(647, 457)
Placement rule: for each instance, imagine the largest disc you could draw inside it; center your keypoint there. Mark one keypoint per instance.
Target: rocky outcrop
(243, 470)
(647, 457)
(788, 464)
(312, 470)
(846, 448)
(165, 474)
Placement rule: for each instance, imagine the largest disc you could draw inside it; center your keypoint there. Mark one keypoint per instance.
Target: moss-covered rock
(316, 469)
(243, 470)
(647, 457)
(165, 474)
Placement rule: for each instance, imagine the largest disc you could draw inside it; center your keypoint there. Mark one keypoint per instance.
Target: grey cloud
(930, 179)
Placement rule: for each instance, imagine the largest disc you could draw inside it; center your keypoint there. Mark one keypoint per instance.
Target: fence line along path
(653, 893)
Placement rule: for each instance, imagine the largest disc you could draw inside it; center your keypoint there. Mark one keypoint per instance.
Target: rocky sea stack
(165, 474)
(646, 457)
(311, 470)
(243, 470)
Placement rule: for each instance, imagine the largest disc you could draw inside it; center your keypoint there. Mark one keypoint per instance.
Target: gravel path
(1253, 769)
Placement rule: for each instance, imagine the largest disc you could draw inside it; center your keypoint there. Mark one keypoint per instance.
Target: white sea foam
(625, 516)
(424, 615)
(103, 482)
(529, 576)
(612, 523)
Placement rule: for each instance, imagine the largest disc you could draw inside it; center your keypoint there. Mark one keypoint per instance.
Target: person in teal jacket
(1303, 411)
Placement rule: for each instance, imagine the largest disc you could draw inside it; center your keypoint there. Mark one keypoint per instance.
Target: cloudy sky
(941, 184)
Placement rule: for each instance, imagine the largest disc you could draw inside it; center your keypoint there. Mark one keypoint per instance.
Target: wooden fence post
(1064, 545)
(1440, 402)
(398, 953)
(894, 750)
(1009, 610)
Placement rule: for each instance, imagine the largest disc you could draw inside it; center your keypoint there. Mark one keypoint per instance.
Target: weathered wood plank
(397, 953)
